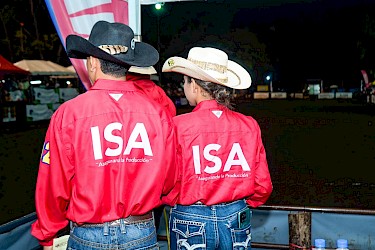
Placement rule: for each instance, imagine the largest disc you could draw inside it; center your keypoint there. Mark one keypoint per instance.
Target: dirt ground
(19, 157)
(320, 153)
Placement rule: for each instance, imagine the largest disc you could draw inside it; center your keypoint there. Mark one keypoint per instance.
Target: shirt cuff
(46, 242)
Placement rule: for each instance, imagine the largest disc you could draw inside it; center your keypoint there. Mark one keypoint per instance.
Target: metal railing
(319, 209)
(306, 209)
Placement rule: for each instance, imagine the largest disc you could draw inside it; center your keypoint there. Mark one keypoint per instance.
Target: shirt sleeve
(172, 197)
(53, 189)
(171, 186)
(166, 102)
(263, 183)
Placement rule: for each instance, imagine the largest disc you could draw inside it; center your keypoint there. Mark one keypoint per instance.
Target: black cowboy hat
(112, 42)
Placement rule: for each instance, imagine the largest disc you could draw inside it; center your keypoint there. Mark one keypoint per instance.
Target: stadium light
(134, 13)
(158, 6)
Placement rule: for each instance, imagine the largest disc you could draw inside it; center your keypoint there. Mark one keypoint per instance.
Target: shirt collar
(209, 104)
(105, 84)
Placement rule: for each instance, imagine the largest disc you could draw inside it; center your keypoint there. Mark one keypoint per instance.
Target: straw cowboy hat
(210, 64)
(112, 42)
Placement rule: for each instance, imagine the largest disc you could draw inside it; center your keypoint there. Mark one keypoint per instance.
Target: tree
(23, 38)
(37, 42)
(5, 16)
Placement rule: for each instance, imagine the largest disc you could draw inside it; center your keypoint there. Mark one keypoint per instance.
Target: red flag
(365, 78)
(78, 17)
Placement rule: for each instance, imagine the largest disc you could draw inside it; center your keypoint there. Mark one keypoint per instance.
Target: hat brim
(144, 54)
(238, 77)
(143, 70)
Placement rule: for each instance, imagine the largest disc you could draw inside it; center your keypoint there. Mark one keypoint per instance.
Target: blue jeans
(138, 235)
(209, 227)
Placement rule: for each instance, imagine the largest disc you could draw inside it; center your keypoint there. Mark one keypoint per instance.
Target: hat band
(114, 49)
(211, 66)
(223, 80)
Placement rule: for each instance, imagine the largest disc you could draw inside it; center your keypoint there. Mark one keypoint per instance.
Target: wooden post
(300, 230)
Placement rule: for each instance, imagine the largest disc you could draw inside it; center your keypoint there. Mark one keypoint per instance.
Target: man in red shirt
(223, 167)
(109, 154)
(142, 79)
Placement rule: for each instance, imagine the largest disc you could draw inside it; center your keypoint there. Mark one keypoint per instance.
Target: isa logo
(44, 158)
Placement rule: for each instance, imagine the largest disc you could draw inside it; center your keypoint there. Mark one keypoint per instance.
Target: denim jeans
(138, 235)
(209, 227)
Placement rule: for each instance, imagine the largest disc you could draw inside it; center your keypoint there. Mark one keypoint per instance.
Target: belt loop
(153, 216)
(122, 226)
(106, 229)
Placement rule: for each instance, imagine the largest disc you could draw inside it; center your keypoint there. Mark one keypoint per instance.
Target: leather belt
(223, 203)
(132, 219)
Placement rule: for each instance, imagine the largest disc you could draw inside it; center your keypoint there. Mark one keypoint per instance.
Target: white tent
(42, 67)
(71, 69)
(73, 74)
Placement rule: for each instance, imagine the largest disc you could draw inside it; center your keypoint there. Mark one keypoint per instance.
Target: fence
(270, 228)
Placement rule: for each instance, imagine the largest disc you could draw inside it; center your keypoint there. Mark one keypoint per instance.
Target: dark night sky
(314, 40)
(304, 39)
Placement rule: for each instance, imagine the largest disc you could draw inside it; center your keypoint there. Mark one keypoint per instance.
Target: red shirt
(108, 153)
(152, 90)
(223, 158)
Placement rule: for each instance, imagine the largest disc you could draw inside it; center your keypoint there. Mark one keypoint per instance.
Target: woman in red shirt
(223, 168)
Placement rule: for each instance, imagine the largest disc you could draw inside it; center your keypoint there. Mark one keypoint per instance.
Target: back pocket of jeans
(189, 234)
(241, 238)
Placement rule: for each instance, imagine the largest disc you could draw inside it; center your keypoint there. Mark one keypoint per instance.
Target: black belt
(132, 219)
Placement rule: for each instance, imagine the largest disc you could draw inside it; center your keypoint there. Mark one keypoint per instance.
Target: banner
(43, 96)
(365, 78)
(78, 17)
(67, 94)
(38, 112)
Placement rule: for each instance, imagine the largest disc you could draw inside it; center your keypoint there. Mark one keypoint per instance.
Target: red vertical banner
(79, 16)
(365, 78)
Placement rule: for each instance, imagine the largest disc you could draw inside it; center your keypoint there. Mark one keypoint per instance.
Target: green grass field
(320, 153)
